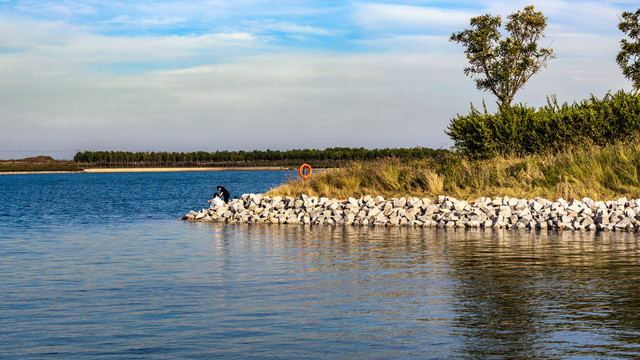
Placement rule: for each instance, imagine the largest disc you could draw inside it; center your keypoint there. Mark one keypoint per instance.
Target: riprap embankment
(499, 212)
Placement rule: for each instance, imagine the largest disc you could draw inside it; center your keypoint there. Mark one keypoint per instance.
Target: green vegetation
(524, 130)
(38, 164)
(601, 173)
(331, 157)
(629, 56)
(504, 65)
(588, 149)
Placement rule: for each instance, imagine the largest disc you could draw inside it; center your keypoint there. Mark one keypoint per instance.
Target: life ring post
(302, 170)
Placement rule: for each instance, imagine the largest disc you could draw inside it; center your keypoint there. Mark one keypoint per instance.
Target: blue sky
(243, 75)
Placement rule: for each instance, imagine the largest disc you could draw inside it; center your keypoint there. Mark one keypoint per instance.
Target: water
(96, 266)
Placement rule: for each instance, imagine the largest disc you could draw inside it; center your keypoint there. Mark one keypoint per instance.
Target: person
(224, 193)
(216, 201)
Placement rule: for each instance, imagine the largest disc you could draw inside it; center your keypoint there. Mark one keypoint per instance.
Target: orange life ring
(301, 170)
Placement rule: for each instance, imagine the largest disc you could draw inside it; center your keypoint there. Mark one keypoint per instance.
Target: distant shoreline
(152, 169)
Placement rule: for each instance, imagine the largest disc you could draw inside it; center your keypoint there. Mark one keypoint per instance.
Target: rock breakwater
(444, 211)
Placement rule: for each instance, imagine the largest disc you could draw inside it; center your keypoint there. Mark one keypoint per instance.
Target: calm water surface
(96, 266)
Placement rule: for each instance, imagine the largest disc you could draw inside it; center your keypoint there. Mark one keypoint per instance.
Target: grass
(600, 173)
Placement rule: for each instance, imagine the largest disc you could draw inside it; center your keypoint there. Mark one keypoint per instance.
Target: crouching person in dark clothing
(224, 193)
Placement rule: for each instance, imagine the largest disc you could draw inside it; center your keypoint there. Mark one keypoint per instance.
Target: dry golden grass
(599, 173)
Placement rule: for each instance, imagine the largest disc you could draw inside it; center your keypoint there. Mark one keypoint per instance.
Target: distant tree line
(327, 157)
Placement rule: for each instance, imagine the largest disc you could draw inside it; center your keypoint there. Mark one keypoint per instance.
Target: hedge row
(524, 130)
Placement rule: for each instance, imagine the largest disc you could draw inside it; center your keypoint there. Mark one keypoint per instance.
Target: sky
(252, 74)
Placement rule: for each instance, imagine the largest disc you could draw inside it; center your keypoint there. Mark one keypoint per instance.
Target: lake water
(97, 266)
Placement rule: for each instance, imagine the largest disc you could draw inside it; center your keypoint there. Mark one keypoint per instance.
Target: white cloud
(266, 101)
(399, 17)
(278, 101)
(56, 45)
(238, 37)
(57, 8)
(419, 44)
(587, 47)
(28, 34)
(292, 28)
(146, 21)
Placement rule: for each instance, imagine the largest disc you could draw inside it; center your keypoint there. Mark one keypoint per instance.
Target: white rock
(459, 205)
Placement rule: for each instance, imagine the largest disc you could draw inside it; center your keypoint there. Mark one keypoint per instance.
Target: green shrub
(524, 130)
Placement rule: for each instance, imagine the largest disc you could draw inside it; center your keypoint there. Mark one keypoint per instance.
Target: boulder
(460, 205)
(399, 203)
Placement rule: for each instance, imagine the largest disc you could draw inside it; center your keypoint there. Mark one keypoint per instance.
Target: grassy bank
(38, 164)
(600, 173)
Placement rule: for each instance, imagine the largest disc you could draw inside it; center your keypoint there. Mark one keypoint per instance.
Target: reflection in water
(528, 294)
(468, 294)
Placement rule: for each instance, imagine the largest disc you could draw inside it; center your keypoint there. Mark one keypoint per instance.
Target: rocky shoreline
(444, 211)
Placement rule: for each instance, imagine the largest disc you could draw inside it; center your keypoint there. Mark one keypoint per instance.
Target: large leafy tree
(629, 56)
(504, 65)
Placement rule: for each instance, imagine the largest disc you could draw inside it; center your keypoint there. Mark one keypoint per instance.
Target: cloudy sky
(253, 74)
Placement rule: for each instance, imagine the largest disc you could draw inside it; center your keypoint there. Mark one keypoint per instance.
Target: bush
(524, 130)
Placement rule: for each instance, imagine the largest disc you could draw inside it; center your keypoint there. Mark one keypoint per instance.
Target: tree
(629, 56)
(503, 66)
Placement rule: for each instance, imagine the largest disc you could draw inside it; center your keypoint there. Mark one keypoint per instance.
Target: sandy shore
(132, 170)
(121, 170)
